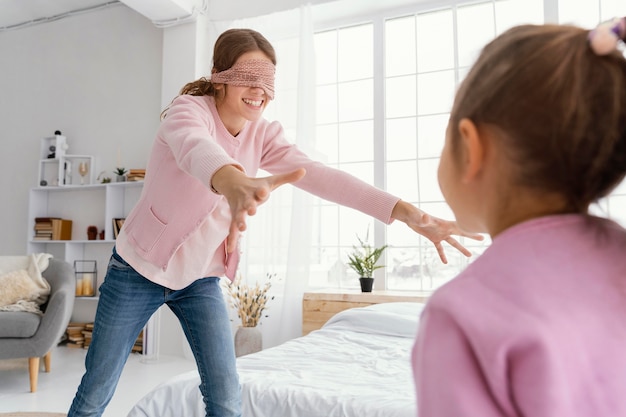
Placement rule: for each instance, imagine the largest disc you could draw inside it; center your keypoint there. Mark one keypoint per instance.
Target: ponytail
(200, 87)
(604, 40)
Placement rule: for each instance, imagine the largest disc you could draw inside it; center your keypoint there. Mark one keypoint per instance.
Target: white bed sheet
(357, 365)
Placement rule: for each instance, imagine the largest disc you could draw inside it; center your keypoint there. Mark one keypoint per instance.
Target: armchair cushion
(18, 324)
(16, 286)
(22, 286)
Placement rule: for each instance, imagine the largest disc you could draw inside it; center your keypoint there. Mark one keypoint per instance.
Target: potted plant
(121, 174)
(363, 261)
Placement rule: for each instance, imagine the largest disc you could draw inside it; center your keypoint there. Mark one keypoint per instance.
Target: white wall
(97, 78)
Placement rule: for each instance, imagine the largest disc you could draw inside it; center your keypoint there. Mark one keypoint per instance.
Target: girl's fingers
(474, 236)
(441, 252)
(455, 244)
(233, 236)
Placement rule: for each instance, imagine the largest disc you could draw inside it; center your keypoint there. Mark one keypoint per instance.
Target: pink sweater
(176, 232)
(534, 327)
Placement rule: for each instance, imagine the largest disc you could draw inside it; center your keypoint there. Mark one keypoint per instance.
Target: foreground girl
(536, 326)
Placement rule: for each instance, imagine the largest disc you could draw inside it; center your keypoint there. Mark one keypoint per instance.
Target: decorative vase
(92, 233)
(120, 178)
(366, 284)
(248, 340)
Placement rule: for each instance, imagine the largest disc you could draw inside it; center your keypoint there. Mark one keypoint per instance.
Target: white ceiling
(20, 13)
(15, 12)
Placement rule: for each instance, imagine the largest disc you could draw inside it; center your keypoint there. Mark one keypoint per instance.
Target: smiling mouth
(255, 103)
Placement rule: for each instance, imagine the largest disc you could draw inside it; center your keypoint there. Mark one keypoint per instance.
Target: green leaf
(364, 257)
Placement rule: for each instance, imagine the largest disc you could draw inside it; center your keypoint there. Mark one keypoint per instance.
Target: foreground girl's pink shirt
(535, 327)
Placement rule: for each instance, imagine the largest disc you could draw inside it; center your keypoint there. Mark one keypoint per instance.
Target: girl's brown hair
(230, 45)
(560, 110)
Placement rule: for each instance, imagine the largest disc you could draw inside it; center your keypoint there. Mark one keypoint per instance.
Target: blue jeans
(127, 301)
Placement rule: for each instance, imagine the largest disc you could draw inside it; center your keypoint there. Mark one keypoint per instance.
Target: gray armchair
(29, 335)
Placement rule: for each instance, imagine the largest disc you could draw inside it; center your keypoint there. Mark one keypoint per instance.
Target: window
(386, 124)
(589, 12)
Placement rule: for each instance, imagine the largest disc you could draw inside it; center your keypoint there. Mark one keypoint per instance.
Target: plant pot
(366, 284)
(248, 340)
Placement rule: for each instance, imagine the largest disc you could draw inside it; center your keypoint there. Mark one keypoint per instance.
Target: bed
(356, 365)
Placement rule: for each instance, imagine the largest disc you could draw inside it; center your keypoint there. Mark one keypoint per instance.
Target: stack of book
(43, 228)
(75, 337)
(52, 228)
(136, 175)
(87, 331)
(78, 335)
(138, 346)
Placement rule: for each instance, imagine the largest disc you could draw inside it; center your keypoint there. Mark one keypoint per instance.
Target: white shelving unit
(58, 168)
(86, 205)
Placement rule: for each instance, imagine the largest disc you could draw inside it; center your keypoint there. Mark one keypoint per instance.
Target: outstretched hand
(244, 194)
(433, 228)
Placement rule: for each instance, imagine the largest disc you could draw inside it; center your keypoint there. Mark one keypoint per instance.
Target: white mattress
(357, 365)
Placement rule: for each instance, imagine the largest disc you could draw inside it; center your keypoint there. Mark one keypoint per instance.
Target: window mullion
(379, 133)
(379, 103)
(551, 11)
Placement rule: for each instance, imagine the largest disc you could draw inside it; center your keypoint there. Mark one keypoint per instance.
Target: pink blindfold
(250, 73)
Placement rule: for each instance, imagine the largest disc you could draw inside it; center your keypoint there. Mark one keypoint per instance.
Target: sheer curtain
(278, 239)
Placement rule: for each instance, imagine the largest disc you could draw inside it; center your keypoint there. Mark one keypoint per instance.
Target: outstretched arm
(244, 194)
(433, 228)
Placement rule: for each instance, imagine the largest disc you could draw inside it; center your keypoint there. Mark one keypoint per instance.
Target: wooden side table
(319, 306)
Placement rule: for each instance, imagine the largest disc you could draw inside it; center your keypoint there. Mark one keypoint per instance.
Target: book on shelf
(61, 229)
(117, 226)
(44, 223)
(43, 235)
(52, 228)
(136, 174)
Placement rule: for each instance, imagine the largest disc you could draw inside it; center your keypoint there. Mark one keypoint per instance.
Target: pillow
(17, 286)
(398, 319)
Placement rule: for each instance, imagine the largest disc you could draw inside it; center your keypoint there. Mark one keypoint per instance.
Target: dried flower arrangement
(249, 301)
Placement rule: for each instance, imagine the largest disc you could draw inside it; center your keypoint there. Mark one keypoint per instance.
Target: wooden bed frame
(319, 306)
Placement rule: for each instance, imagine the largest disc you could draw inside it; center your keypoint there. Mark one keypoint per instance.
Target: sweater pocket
(147, 230)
